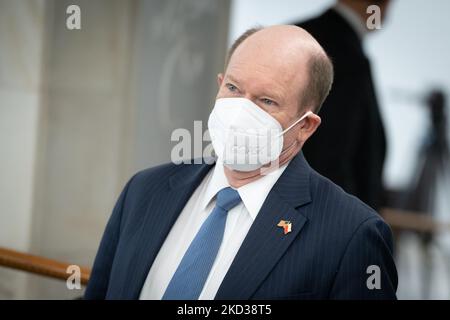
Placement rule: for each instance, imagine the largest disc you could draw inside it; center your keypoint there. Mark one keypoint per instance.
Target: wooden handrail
(413, 221)
(39, 265)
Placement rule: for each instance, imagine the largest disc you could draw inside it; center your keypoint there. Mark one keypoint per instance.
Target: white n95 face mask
(243, 135)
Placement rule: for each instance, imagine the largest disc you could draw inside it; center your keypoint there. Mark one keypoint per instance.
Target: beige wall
(21, 55)
(94, 106)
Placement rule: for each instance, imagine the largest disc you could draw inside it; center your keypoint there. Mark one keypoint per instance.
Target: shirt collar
(260, 187)
(352, 18)
(217, 181)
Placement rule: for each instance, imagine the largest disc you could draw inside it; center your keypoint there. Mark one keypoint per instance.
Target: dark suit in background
(349, 146)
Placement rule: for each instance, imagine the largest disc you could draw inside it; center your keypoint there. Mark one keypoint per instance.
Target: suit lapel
(266, 243)
(162, 212)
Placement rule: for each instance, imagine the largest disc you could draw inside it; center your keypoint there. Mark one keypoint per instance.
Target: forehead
(266, 64)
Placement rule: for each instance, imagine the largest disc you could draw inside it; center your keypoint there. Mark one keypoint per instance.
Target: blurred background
(82, 110)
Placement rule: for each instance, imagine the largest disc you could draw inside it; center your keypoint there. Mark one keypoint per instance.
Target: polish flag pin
(286, 225)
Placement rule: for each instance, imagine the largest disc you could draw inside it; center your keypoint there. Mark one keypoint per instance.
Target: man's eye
(231, 87)
(267, 101)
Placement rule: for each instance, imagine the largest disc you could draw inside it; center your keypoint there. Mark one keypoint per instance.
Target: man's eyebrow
(233, 79)
(273, 94)
(266, 93)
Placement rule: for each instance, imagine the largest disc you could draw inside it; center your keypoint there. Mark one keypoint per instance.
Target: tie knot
(227, 198)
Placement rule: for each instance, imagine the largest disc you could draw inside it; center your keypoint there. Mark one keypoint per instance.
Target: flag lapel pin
(286, 225)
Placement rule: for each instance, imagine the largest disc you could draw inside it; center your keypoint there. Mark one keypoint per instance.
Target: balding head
(284, 71)
(291, 51)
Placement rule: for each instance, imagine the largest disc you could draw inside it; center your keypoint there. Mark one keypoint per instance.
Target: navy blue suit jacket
(334, 239)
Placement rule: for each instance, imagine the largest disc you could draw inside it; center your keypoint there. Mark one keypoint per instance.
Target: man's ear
(308, 127)
(219, 79)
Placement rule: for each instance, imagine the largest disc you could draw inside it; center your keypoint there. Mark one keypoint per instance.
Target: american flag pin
(286, 225)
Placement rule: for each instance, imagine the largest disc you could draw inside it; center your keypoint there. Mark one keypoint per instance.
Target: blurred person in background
(350, 146)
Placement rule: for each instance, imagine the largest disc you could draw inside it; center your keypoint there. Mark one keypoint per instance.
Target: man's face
(272, 81)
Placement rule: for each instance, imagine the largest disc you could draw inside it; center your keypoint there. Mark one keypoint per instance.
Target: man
(350, 146)
(266, 229)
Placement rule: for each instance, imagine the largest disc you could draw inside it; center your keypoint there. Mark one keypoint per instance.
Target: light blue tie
(188, 281)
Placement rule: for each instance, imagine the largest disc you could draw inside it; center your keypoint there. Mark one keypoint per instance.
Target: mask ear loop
(290, 127)
(295, 123)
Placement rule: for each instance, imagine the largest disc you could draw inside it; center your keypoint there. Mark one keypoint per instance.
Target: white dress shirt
(191, 218)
